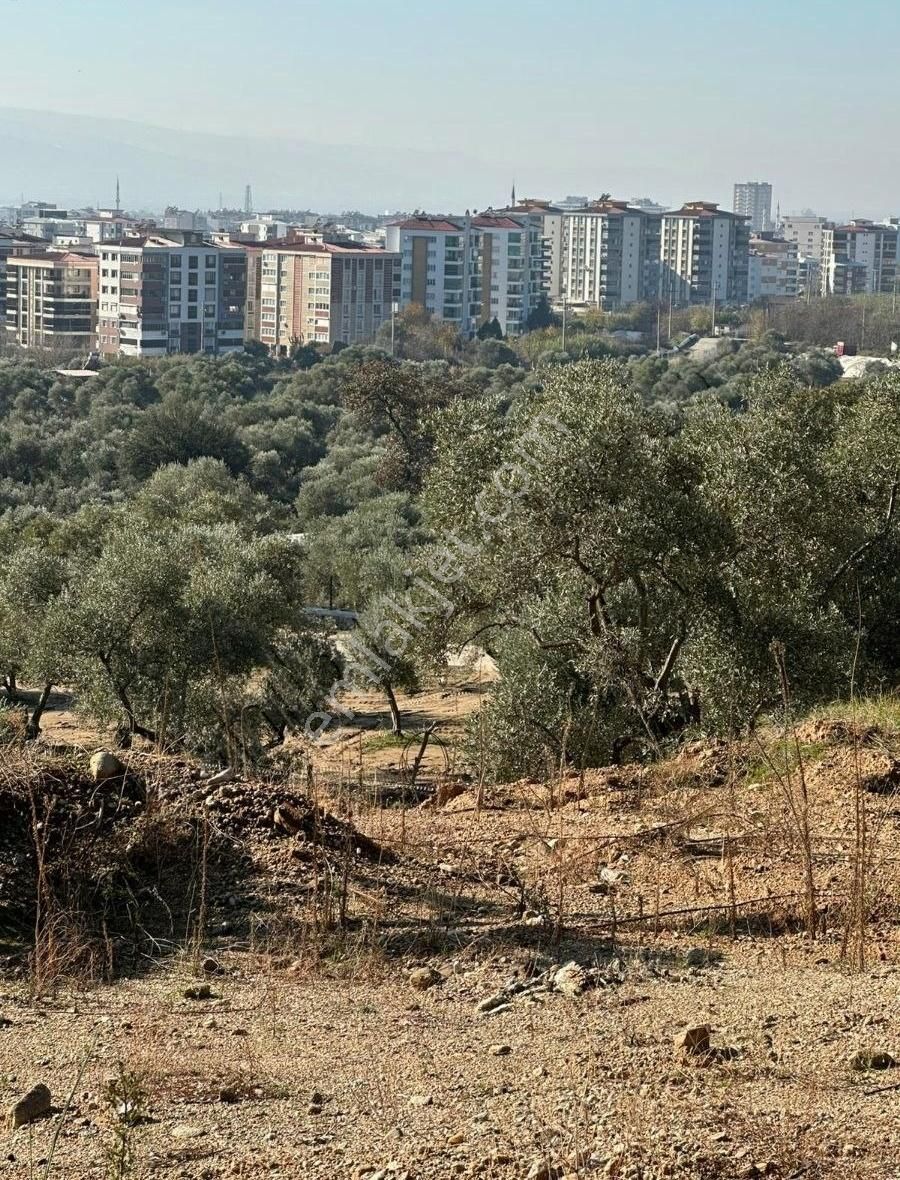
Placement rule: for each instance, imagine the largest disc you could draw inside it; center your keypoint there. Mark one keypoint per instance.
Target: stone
(694, 1040)
(570, 980)
(872, 1059)
(489, 1003)
(542, 1170)
(421, 1100)
(104, 765)
(33, 1105)
(699, 956)
(500, 1050)
(422, 978)
(223, 776)
(187, 1131)
(202, 991)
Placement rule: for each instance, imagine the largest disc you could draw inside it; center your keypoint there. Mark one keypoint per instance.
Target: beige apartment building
(51, 300)
(308, 292)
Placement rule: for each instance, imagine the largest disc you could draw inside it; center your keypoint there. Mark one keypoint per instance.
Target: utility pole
(565, 305)
(715, 292)
(658, 327)
(671, 302)
(394, 308)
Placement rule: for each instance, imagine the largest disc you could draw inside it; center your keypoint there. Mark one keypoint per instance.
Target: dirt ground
(383, 987)
(283, 1076)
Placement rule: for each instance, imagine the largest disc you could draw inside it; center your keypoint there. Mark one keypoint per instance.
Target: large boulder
(105, 765)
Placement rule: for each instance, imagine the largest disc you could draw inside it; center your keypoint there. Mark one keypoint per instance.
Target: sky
(649, 97)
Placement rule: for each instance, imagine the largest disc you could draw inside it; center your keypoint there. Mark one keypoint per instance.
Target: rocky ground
(607, 975)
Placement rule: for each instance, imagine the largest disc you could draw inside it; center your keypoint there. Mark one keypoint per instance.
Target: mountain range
(75, 160)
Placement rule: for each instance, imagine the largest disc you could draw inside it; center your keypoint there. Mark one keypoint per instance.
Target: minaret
(118, 197)
(513, 197)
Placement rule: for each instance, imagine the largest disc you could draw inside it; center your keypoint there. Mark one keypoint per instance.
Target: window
(192, 313)
(193, 262)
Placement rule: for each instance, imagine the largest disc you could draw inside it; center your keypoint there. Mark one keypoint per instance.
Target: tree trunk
(10, 688)
(396, 722)
(33, 725)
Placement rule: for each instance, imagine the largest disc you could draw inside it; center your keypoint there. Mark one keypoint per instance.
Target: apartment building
(551, 219)
(806, 231)
(610, 255)
(859, 259)
(14, 243)
(170, 293)
(51, 300)
(704, 254)
(753, 200)
(472, 269)
(774, 270)
(301, 291)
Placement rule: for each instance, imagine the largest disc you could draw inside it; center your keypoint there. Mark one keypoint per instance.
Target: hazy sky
(671, 100)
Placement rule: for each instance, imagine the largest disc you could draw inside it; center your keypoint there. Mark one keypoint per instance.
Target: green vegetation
(632, 535)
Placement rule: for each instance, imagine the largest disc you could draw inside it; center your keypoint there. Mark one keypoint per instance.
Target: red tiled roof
(704, 209)
(441, 225)
(495, 221)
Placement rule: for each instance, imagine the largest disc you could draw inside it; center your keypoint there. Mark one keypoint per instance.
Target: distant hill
(74, 159)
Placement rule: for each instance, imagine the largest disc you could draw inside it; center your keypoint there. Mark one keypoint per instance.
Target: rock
(542, 1170)
(422, 978)
(500, 1050)
(421, 1100)
(869, 1059)
(694, 1040)
(211, 967)
(187, 1131)
(222, 777)
(699, 956)
(201, 992)
(570, 979)
(30, 1106)
(104, 765)
(229, 1095)
(489, 1003)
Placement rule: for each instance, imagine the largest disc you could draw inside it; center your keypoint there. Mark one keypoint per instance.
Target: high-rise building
(805, 230)
(859, 258)
(51, 300)
(704, 254)
(169, 293)
(321, 292)
(610, 255)
(13, 243)
(753, 200)
(469, 270)
(552, 220)
(774, 270)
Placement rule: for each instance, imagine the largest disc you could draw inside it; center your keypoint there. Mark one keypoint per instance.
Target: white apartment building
(806, 231)
(552, 220)
(704, 255)
(774, 270)
(859, 259)
(170, 293)
(610, 255)
(753, 200)
(469, 270)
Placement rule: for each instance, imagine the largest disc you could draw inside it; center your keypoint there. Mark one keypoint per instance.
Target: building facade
(467, 271)
(308, 292)
(753, 200)
(14, 244)
(610, 255)
(806, 231)
(704, 255)
(51, 300)
(774, 270)
(859, 259)
(170, 293)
